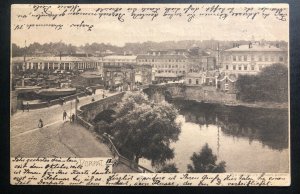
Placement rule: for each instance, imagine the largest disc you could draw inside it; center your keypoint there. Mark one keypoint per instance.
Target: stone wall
(198, 93)
(90, 110)
(208, 94)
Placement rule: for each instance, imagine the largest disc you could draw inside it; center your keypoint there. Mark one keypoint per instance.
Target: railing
(107, 140)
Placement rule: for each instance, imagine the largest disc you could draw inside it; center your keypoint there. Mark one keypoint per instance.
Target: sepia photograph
(192, 89)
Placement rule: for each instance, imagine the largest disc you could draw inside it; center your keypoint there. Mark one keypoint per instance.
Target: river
(247, 139)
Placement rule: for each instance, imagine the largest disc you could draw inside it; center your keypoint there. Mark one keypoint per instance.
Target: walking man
(65, 115)
(27, 105)
(40, 125)
(23, 106)
(73, 118)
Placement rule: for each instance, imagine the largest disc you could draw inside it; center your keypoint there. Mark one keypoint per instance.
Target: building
(54, 63)
(202, 78)
(143, 74)
(119, 71)
(227, 83)
(166, 65)
(119, 60)
(251, 58)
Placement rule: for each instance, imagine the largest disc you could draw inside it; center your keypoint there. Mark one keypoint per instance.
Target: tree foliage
(205, 162)
(168, 168)
(145, 128)
(271, 84)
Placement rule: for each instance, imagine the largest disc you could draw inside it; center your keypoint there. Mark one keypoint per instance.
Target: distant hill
(134, 48)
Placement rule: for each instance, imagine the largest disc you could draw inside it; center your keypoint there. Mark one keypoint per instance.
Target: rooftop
(120, 57)
(161, 57)
(54, 59)
(255, 47)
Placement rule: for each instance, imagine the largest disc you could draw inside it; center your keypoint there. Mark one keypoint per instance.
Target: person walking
(40, 125)
(27, 106)
(64, 115)
(23, 107)
(73, 118)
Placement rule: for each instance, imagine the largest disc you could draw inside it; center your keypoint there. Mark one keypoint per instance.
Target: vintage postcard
(150, 94)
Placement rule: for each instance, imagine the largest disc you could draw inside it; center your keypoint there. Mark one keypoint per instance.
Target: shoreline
(262, 105)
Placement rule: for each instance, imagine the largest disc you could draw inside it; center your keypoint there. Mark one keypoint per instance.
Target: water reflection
(247, 139)
(268, 126)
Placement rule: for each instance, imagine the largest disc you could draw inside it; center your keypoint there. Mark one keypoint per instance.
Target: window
(190, 81)
(234, 58)
(227, 67)
(226, 87)
(240, 58)
(266, 58)
(197, 81)
(280, 58)
(240, 67)
(245, 67)
(233, 67)
(245, 58)
(259, 58)
(252, 58)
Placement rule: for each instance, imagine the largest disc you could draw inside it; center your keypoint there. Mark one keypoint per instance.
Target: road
(57, 137)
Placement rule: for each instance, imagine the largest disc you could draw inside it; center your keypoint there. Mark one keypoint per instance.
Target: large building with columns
(55, 63)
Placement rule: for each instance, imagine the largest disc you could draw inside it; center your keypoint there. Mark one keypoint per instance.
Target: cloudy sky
(110, 30)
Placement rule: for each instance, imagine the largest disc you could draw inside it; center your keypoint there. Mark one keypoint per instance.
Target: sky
(110, 30)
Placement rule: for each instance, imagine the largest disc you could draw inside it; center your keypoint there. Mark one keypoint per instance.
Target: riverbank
(265, 105)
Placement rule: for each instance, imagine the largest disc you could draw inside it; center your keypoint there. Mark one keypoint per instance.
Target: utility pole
(76, 108)
(71, 113)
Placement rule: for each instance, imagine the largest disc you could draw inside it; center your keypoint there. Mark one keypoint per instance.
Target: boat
(26, 89)
(56, 92)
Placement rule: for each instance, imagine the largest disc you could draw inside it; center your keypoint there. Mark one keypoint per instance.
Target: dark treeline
(270, 85)
(134, 48)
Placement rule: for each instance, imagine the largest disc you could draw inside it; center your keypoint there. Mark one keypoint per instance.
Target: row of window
(170, 71)
(254, 58)
(168, 66)
(119, 60)
(161, 60)
(244, 67)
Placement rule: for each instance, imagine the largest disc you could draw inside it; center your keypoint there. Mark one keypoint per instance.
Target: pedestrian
(73, 118)
(23, 106)
(27, 105)
(40, 125)
(64, 115)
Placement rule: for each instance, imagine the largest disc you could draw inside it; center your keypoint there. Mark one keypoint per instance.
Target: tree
(271, 84)
(168, 168)
(145, 129)
(205, 162)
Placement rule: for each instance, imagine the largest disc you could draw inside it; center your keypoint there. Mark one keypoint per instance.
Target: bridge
(85, 117)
